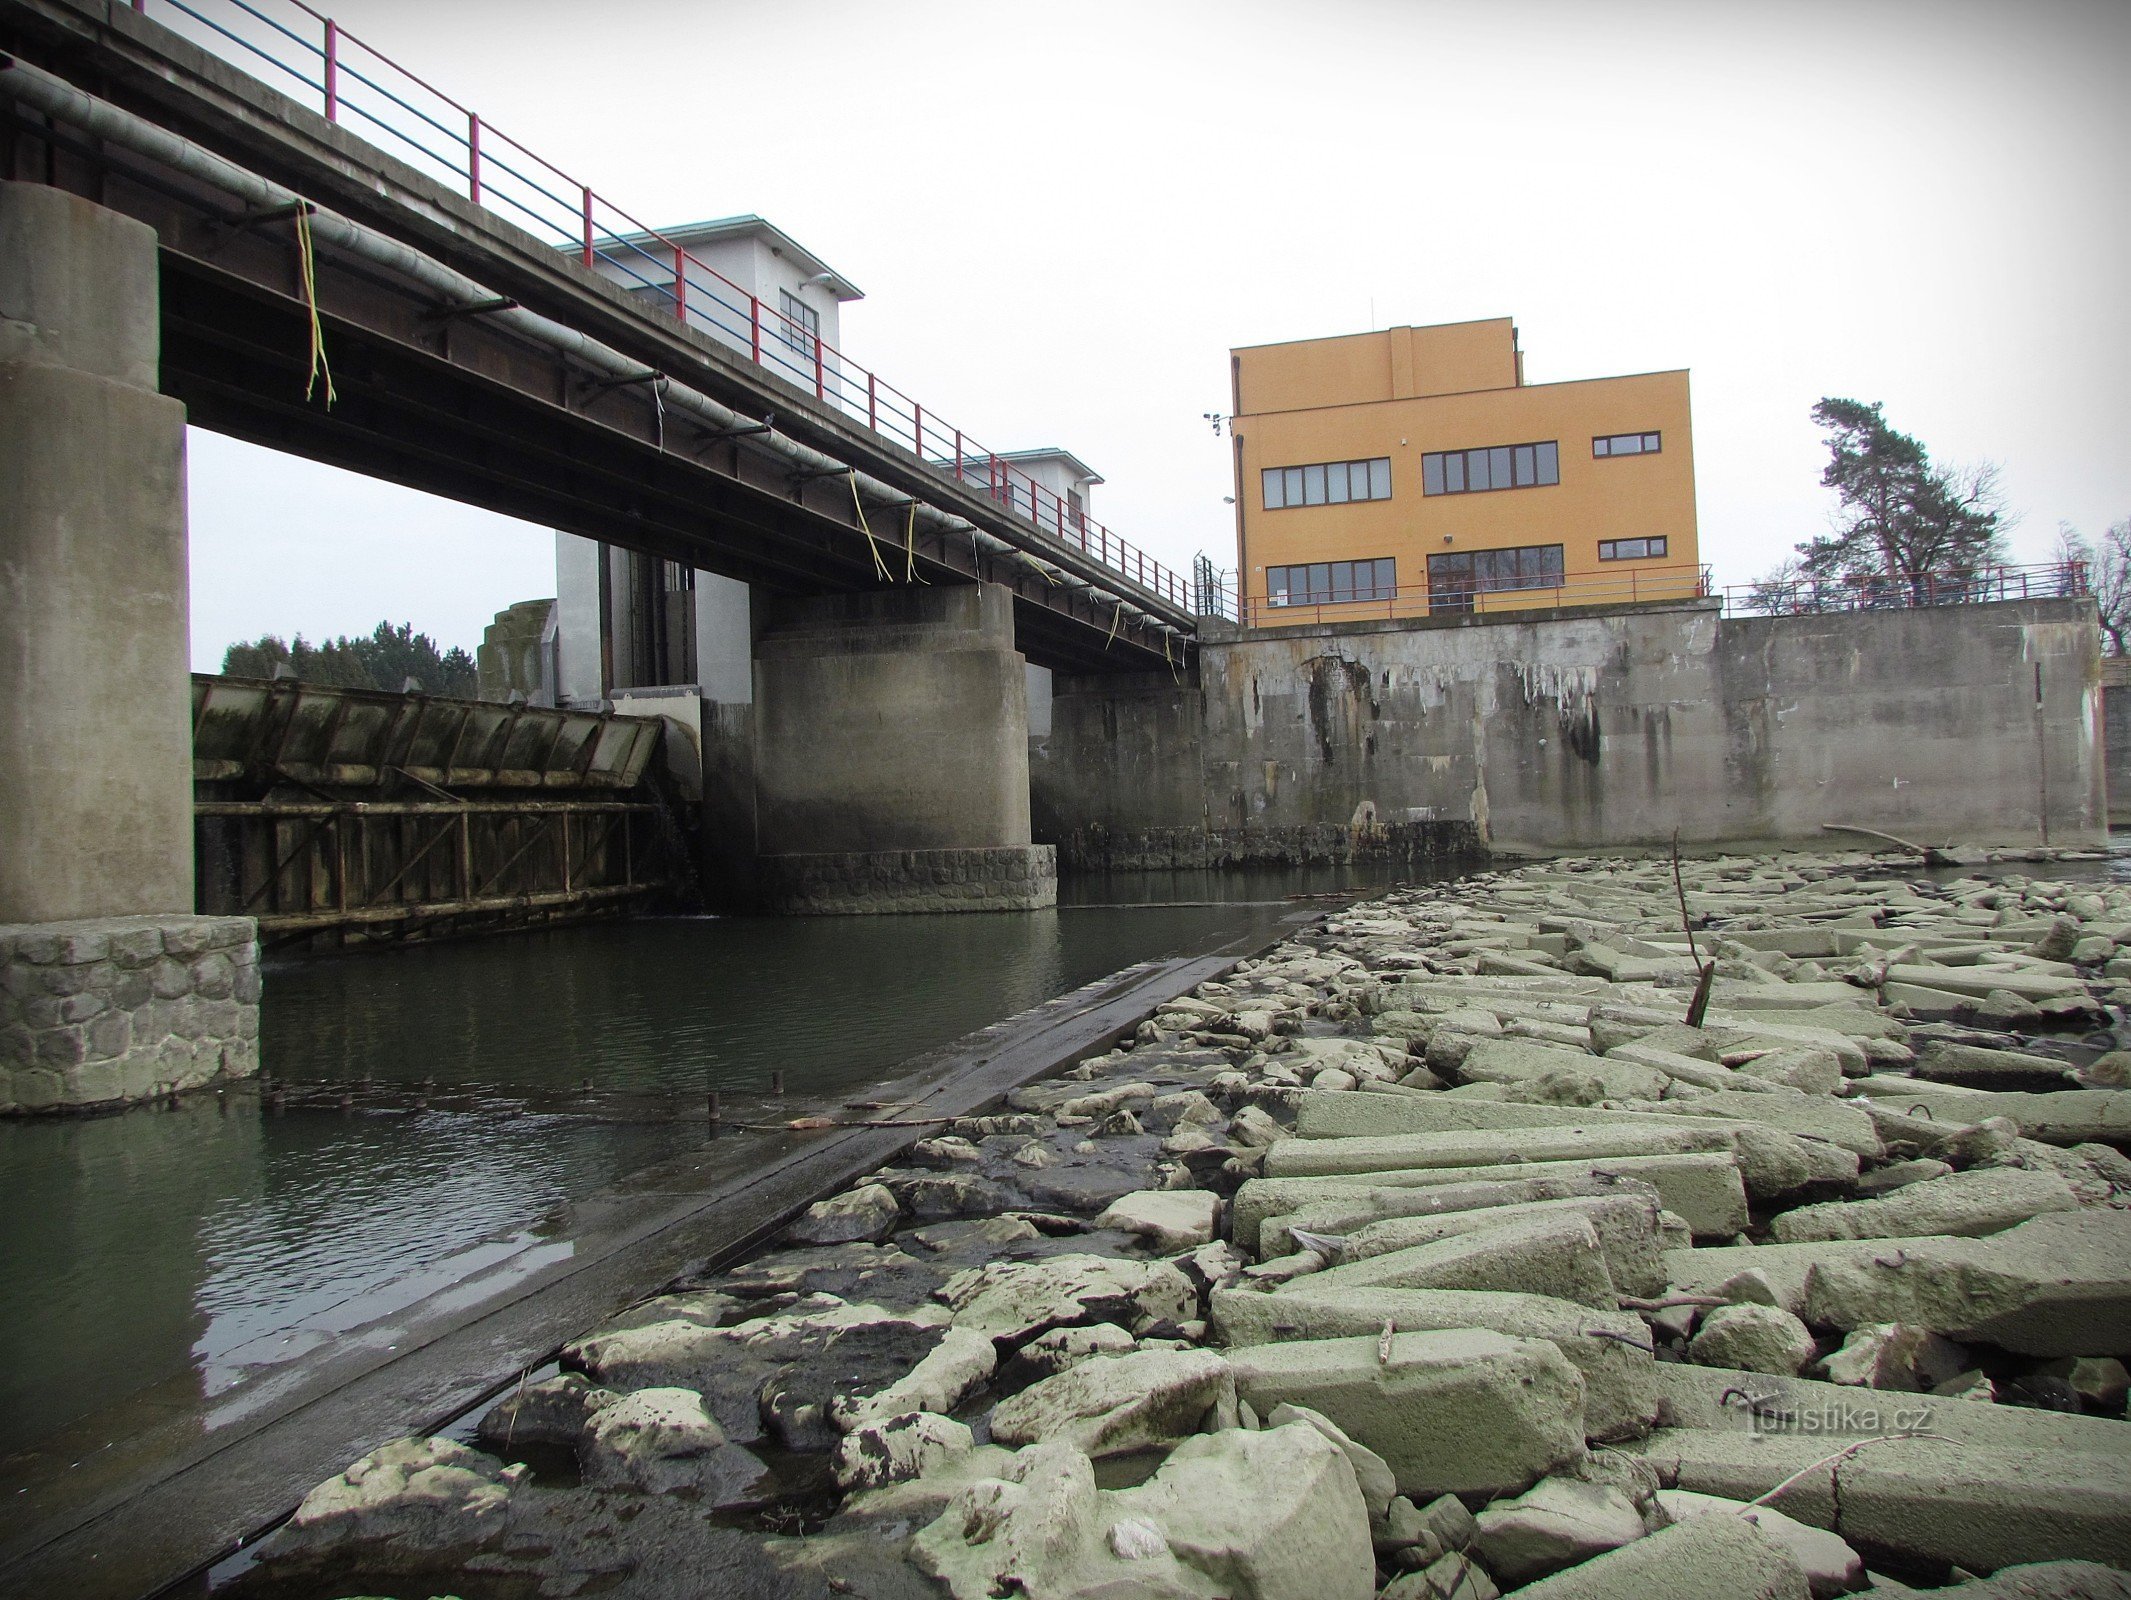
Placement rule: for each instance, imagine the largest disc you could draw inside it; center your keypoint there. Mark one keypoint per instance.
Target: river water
(434, 1109)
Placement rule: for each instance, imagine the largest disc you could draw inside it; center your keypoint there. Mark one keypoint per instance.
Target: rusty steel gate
(338, 815)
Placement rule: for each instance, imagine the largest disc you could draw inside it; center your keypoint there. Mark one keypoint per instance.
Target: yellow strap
(1118, 616)
(307, 256)
(910, 547)
(873, 548)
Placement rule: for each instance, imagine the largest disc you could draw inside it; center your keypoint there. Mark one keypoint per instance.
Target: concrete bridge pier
(111, 988)
(892, 756)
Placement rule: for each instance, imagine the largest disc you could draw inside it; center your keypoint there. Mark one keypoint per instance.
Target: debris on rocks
(1427, 1255)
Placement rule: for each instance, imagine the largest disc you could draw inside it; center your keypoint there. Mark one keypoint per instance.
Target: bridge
(319, 252)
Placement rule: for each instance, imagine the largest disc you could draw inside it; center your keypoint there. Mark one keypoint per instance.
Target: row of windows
(1456, 574)
(1468, 572)
(1501, 466)
(1329, 582)
(1332, 484)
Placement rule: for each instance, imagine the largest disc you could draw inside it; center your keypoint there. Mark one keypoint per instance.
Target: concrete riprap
(1358, 1271)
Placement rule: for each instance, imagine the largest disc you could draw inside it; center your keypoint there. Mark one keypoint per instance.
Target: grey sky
(1064, 215)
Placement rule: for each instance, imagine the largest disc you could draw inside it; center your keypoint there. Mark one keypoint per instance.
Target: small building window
(800, 325)
(1498, 466)
(1629, 549)
(1332, 582)
(1626, 444)
(1333, 483)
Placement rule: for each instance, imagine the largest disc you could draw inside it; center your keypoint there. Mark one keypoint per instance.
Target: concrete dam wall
(1585, 729)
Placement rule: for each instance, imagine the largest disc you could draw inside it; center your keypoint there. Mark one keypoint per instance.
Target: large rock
(1275, 1515)
(661, 1439)
(1371, 1475)
(1704, 1558)
(1888, 1355)
(1829, 1564)
(1552, 1524)
(1170, 1220)
(1452, 1412)
(553, 1411)
(1253, 1516)
(1535, 1254)
(1110, 1404)
(410, 1504)
(1985, 1200)
(788, 1371)
(898, 1449)
(1611, 1350)
(1011, 1301)
(950, 1371)
(2054, 1286)
(868, 1214)
(1752, 1338)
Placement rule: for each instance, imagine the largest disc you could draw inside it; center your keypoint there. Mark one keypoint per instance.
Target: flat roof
(719, 229)
(1023, 457)
(1417, 327)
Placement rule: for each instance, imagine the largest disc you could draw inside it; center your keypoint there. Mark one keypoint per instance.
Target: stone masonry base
(1020, 877)
(116, 1009)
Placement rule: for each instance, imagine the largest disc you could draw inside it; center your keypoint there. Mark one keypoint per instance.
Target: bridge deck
(459, 403)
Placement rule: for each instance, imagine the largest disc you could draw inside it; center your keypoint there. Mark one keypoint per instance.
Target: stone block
(1611, 1349)
(1698, 1559)
(1462, 1412)
(1534, 1254)
(1984, 1200)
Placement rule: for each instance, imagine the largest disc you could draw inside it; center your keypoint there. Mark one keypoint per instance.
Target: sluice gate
(346, 815)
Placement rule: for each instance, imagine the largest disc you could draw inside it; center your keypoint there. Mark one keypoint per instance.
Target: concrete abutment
(111, 988)
(891, 756)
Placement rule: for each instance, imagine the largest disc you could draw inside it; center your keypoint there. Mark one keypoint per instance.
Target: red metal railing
(305, 54)
(1642, 582)
(1901, 591)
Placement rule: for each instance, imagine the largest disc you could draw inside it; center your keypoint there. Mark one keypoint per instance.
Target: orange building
(1413, 471)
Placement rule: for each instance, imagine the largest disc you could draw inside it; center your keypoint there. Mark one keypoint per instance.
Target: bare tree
(2108, 566)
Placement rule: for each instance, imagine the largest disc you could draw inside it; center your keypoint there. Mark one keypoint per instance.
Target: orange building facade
(1413, 472)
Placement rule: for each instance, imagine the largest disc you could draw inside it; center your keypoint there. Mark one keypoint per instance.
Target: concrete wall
(95, 746)
(1594, 729)
(892, 721)
(2116, 724)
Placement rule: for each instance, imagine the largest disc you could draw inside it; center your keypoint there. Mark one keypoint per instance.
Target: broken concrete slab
(1752, 1338)
(1981, 1201)
(1830, 1565)
(1364, 1208)
(1704, 1188)
(1302, 1158)
(1630, 1234)
(1703, 1558)
(1555, 1523)
(1611, 1349)
(1463, 1412)
(1012, 1301)
(1109, 1404)
(1535, 1254)
(2053, 1286)
(1170, 1220)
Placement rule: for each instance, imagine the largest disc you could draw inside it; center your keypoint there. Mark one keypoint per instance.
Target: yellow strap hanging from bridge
(1118, 616)
(910, 547)
(307, 257)
(873, 548)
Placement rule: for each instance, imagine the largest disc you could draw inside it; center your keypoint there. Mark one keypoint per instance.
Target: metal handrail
(1640, 582)
(349, 78)
(1896, 590)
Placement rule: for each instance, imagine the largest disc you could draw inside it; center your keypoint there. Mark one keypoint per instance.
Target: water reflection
(187, 1247)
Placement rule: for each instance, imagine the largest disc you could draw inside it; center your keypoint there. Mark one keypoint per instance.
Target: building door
(1451, 584)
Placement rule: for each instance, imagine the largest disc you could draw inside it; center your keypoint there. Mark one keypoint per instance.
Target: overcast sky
(1063, 216)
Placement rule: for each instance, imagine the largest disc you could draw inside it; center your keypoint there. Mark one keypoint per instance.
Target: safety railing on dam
(1329, 599)
(360, 814)
(303, 53)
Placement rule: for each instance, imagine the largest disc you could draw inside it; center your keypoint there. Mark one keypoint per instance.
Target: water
(441, 1108)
